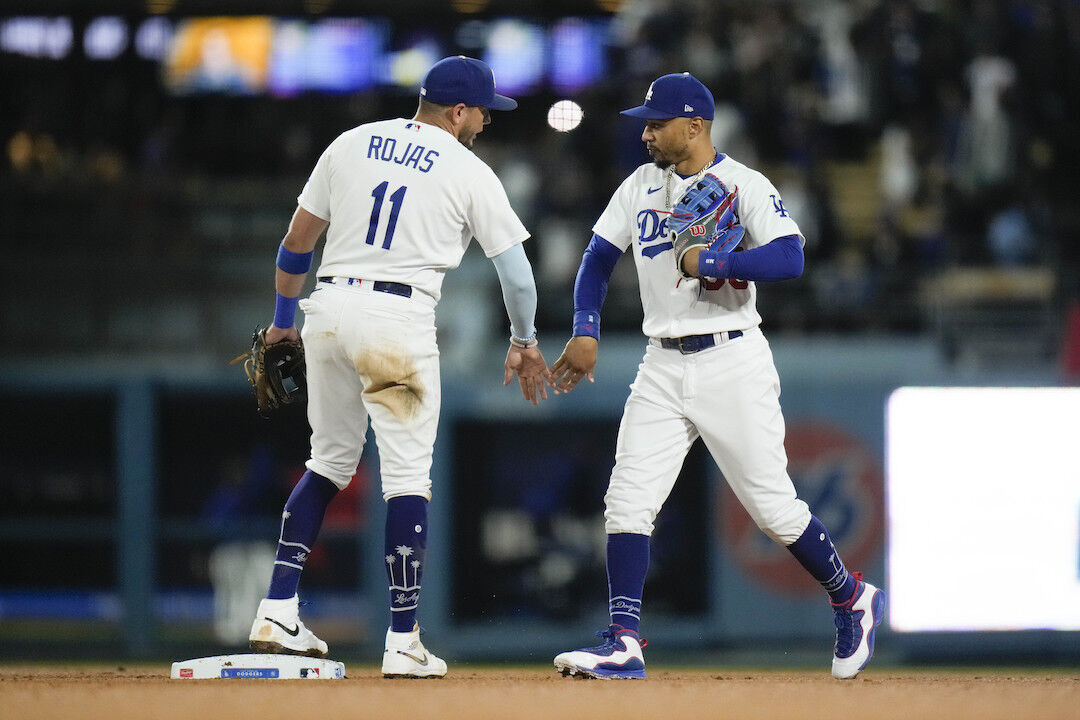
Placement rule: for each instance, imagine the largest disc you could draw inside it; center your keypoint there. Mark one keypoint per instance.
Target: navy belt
(695, 343)
(394, 288)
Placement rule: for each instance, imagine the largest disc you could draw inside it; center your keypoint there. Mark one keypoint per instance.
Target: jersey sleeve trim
(307, 206)
(509, 244)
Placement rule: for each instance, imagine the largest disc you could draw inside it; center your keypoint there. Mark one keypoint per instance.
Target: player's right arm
(578, 359)
(293, 263)
(297, 249)
(611, 237)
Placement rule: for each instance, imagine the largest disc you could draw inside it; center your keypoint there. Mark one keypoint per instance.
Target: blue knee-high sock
(406, 541)
(627, 565)
(300, 523)
(814, 550)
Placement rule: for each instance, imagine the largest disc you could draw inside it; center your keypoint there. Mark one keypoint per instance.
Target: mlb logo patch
(312, 673)
(187, 672)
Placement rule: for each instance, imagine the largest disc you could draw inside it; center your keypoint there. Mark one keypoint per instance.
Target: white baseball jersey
(675, 306)
(404, 199)
(673, 400)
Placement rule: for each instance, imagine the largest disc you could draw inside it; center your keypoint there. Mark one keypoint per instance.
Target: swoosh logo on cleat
(422, 661)
(293, 633)
(650, 191)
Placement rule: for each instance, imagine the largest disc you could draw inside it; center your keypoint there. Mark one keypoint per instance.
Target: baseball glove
(703, 217)
(277, 372)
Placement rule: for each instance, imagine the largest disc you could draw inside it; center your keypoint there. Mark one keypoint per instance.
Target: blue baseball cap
(675, 95)
(460, 79)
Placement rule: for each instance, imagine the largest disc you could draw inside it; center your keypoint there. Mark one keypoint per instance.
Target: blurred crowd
(907, 137)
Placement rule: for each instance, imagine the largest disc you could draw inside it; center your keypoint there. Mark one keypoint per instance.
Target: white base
(266, 666)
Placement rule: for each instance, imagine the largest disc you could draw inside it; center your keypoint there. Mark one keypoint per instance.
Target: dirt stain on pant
(391, 380)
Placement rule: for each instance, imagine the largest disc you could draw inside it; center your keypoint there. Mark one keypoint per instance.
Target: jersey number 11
(379, 193)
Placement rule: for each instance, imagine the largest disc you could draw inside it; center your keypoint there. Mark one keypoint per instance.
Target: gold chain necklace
(670, 173)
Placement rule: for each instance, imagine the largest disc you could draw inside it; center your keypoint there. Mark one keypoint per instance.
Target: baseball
(565, 115)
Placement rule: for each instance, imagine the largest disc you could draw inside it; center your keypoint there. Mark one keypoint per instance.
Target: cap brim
(647, 113)
(501, 102)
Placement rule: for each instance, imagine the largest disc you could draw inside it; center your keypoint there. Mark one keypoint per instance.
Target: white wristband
(526, 343)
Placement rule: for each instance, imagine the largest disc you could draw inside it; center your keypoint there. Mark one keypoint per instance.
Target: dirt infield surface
(99, 693)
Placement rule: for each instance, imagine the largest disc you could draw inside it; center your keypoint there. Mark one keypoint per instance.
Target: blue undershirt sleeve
(781, 259)
(590, 288)
(518, 290)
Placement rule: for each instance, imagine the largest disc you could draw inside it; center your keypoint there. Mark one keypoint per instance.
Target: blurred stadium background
(152, 152)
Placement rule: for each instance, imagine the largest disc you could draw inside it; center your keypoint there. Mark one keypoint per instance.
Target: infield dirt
(146, 692)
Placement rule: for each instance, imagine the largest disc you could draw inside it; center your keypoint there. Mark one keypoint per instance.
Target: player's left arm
(780, 259)
(500, 233)
(519, 295)
(293, 262)
(772, 249)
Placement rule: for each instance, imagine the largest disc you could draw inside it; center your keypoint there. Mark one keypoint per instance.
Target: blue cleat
(619, 657)
(856, 621)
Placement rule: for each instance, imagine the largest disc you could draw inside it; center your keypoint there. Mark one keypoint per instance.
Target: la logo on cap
(648, 95)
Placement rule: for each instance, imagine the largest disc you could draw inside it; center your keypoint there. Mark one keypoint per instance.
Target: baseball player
(707, 372)
(402, 199)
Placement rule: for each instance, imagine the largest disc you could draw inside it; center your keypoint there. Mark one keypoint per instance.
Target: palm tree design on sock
(402, 598)
(404, 551)
(390, 569)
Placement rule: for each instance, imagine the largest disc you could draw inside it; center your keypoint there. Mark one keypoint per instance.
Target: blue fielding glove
(728, 239)
(707, 211)
(707, 197)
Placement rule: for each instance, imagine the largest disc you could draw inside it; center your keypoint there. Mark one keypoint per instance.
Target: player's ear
(696, 127)
(458, 113)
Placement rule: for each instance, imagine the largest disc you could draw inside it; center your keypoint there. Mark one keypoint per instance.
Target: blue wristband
(293, 263)
(587, 322)
(285, 311)
(714, 264)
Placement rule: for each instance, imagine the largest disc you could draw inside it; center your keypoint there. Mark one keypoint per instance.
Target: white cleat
(278, 629)
(406, 657)
(856, 623)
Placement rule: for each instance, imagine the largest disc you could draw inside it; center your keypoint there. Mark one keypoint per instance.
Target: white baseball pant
(372, 355)
(729, 395)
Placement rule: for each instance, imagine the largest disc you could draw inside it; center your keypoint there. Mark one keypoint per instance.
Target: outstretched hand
(532, 372)
(577, 361)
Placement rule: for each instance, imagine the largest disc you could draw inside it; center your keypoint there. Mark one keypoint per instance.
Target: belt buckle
(688, 345)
